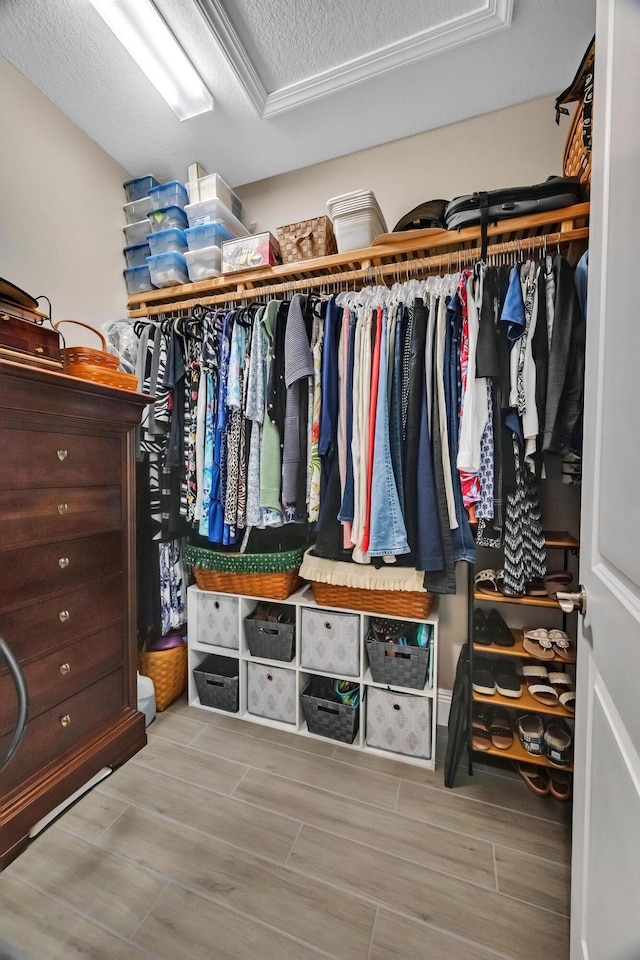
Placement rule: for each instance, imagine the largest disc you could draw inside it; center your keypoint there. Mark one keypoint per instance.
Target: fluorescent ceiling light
(144, 34)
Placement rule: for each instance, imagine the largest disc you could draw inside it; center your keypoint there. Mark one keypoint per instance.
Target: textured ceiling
(346, 73)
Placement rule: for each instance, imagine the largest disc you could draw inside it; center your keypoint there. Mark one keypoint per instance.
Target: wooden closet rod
(449, 261)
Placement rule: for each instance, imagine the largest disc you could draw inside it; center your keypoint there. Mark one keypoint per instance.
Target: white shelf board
(332, 676)
(211, 648)
(401, 757)
(287, 664)
(424, 692)
(268, 722)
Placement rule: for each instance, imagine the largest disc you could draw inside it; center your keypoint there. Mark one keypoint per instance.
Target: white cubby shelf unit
(234, 609)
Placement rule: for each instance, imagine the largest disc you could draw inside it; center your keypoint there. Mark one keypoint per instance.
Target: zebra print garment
(525, 556)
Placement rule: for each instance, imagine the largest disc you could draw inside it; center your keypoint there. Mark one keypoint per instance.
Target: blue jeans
(395, 410)
(464, 547)
(388, 536)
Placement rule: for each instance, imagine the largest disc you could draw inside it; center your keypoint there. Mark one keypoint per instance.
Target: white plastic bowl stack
(357, 219)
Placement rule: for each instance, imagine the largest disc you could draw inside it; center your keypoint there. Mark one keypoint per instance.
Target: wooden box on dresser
(67, 588)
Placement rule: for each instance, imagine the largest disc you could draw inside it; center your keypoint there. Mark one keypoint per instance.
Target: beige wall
(519, 145)
(61, 213)
(516, 146)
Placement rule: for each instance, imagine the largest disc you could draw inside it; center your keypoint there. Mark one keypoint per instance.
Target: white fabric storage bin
(398, 722)
(330, 642)
(271, 692)
(217, 620)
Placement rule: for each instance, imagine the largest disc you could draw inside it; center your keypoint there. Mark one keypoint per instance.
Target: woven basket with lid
(307, 239)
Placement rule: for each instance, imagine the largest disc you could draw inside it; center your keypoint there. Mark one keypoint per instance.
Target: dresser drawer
(49, 736)
(46, 625)
(38, 516)
(60, 674)
(37, 458)
(53, 567)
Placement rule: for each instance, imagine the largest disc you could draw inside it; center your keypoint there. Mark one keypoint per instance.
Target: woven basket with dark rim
(270, 575)
(577, 159)
(168, 670)
(390, 603)
(307, 239)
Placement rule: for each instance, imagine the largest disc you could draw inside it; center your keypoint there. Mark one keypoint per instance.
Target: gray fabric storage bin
(330, 641)
(217, 620)
(398, 665)
(398, 722)
(271, 692)
(327, 718)
(269, 640)
(217, 682)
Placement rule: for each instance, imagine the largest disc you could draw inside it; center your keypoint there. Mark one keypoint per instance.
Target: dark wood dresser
(67, 594)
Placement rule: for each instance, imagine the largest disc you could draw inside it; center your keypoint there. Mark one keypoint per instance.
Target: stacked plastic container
(357, 219)
(215, 214)
(136, 251)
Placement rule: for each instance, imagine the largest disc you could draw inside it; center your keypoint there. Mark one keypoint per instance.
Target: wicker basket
(98, 366)
(273, 576)
(390, 603)
(168, 670)
(577, 159)
(307, 239)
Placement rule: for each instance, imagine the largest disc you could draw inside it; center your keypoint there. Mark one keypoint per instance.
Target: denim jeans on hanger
(395, 407)
(464, 547)
(388, 536)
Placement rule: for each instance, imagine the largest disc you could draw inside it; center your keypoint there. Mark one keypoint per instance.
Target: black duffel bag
(491, 205)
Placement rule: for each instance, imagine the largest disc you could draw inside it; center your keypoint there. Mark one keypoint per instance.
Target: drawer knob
(328, 625)
(269, 677)
(63, 563)
(62, 508)
(64, 669)
(62, 455)
(39, 349)
(64, 616)
(65, 721)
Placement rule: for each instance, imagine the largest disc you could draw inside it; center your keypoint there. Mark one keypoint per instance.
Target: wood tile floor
(223, 840)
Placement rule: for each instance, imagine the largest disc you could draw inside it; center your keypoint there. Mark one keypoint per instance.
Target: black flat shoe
(481, 633)
(498, 630)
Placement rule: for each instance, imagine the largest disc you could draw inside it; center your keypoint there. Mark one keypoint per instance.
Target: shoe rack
(567, 544)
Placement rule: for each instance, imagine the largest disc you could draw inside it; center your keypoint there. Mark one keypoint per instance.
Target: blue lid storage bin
(207, 235)
(166, 240)
(208, 211)
(139, 187)
(138, 279)
(137, 256)
(168, 269)
(166, 218)
(171, 194)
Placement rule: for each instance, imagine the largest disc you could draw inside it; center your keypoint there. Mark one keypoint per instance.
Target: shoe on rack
(480, 736)
(531, 733)
(558, 743)
(483, 680)
(498, 630)
(481, 633)
(535, 777)
(501, 729)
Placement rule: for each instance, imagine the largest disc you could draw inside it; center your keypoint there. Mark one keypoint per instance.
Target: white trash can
(146, 698)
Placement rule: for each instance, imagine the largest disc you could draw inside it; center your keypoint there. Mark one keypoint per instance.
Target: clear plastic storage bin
(207, 235)
(208, 211)
(166, 218)
(138, 279)
(137, 209)
(170, 194)
(137, 256)
(168, 269)
(214, 187)
(204, 263)
(139, 187)
(137, 233)
(166, 240)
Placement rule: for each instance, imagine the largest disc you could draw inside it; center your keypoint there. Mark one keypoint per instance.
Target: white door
(605, 922)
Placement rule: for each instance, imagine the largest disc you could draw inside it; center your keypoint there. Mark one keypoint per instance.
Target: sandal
(558, 744)
(531, 733)
(507, 680)
(535, 588)
(538, 643)
(498, 630)
(562, 646)
(485, 582)
(501, 730)
(480, 737)
(536, 778)
(481, 634)
(537, 680)
(483, 680)
(559, 784)
(562, 683)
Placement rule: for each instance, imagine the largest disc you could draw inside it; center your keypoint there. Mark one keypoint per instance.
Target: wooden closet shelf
(417, 255)
(524, 704)
(525, 601)
(561, 540)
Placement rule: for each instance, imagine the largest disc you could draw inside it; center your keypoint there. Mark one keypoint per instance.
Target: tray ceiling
(296, 83)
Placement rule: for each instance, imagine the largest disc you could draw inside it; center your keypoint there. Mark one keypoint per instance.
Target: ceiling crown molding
(491, 17)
